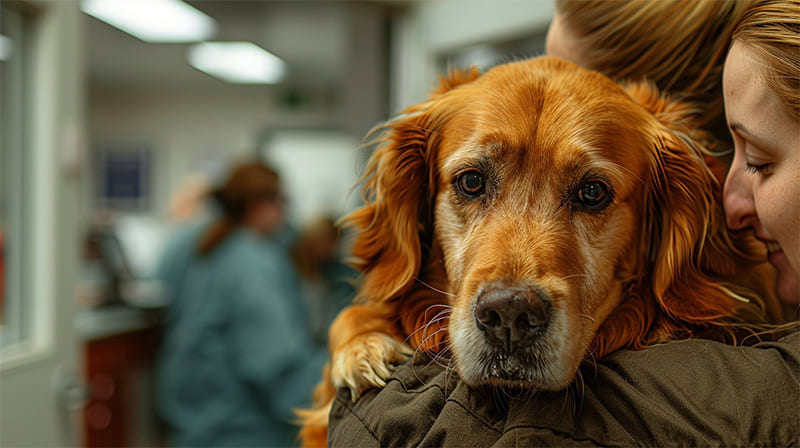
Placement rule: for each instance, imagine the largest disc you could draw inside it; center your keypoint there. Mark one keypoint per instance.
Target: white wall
(318, 169)
(432, 28)
(188, 132)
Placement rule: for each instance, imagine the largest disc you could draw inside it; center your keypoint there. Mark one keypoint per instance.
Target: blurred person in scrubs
(237, 356)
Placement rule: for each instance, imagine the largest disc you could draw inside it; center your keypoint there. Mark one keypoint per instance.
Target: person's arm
(694, 393)
(272, 350)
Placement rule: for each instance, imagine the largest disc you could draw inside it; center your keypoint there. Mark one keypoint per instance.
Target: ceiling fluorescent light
(237, 62)
(153, 20)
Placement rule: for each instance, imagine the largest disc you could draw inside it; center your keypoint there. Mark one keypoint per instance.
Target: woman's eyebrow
(742, 130)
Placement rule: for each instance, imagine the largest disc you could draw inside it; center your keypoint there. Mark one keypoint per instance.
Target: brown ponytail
(216, 234)
(248, 183)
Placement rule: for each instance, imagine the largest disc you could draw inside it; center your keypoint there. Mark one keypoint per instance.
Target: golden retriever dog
(522, 221)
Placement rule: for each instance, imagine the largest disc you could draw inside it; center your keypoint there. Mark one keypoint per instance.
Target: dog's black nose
(511, 317)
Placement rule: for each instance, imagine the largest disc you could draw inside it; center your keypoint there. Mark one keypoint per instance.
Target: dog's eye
(471, 183)
(594, 194)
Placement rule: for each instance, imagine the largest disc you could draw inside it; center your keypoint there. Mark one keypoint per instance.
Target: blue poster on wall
(124, 178)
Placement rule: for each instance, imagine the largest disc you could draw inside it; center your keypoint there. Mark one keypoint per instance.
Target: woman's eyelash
(757, 168)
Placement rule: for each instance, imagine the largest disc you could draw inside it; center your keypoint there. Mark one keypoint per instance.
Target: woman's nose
(740, 210)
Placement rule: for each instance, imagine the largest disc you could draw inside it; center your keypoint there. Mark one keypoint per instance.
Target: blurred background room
(117, 120)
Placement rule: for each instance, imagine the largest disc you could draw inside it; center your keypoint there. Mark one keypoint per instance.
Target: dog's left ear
(394, 227)
(686, 241)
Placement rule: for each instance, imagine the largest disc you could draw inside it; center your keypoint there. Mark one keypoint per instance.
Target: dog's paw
(367, 361)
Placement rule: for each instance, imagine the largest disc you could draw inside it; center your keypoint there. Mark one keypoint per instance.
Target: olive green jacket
(688, 393)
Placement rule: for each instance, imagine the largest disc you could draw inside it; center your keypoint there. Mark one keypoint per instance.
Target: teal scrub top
(236, 356)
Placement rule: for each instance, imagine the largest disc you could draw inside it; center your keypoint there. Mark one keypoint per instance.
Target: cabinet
(119, 374)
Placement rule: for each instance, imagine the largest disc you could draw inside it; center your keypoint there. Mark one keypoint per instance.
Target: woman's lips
(774, 252)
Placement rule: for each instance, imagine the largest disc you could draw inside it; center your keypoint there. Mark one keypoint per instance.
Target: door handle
(73, 394)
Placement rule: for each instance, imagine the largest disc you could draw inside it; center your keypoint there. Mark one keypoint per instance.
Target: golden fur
(652, 262)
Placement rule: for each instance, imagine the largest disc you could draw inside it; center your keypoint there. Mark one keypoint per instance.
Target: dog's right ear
(696, 263)
(394, 226)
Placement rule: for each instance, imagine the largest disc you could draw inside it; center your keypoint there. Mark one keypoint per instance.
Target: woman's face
(265, 216)
(762, 190)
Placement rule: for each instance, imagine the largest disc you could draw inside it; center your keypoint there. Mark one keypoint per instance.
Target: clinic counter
(109, 320)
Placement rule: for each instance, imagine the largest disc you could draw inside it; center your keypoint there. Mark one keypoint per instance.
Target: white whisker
(426, 336)
(439, 305)
(422, 328)
(432, 335)
(437, 320)
(442, 358)
(445, 312)
(435, 357)
(434, 289)
(574, 275)
(439, 317)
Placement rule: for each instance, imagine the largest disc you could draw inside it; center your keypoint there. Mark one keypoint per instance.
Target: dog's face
(556, 202)
(540, 200)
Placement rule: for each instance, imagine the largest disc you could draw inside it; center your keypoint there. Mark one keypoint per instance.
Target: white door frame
(32, 372)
